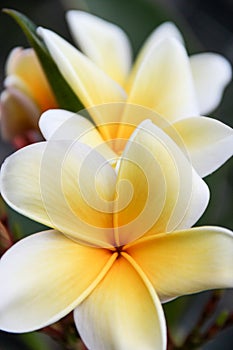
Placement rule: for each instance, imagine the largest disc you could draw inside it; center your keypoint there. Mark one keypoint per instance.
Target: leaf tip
(8, 11)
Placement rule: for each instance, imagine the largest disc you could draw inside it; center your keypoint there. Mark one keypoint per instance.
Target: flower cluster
(119, 195)
(27, 94)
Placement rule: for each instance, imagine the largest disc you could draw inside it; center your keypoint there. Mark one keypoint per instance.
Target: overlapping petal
(89, 82)
(132, 115)
(121, 313)
(65, 186)
(158, 190)
(44, 277)
(162, 79)
(211, 74)
(187, 261)
(208, 142)
(166, 30)
(163, 82)
(63, 125)
(103, 42)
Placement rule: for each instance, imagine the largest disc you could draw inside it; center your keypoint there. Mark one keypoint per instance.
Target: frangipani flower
(121, 241)
(27, 94)
(163, 78)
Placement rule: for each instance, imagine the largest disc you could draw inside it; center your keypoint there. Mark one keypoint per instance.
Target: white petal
(163, 82)
(158, 190)
(65, 185)
(186, 262)
(44, 277)
(211, 73)
(166, 30)
(89, 82)
(58, 124)
(122, 313)
(208, 142)
(103, 42)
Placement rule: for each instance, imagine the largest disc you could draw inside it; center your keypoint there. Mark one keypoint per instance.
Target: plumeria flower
(27, 94)
(163, 79)
(120, 242)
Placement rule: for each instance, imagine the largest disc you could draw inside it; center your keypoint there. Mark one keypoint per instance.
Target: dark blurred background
(206, 26)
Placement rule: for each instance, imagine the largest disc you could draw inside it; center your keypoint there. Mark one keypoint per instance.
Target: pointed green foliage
(65, 96)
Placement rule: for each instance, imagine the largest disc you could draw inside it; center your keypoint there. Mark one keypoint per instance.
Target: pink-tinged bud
(18, 113)
(27, 94)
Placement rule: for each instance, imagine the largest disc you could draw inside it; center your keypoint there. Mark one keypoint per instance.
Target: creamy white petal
(89, 82)
(163, 82)
(208, 142)
(123, 312)
(158, 190)
(59, 124)
(165, 30)
(211, 74)
(65, 185)
(103, 42)
(44, 277)
(186, 262)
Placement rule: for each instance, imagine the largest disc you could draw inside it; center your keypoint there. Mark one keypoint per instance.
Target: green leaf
(35, 341)
(21, 226)
(65, 96)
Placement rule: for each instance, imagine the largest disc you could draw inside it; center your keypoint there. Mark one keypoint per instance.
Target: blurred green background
(206, 26)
